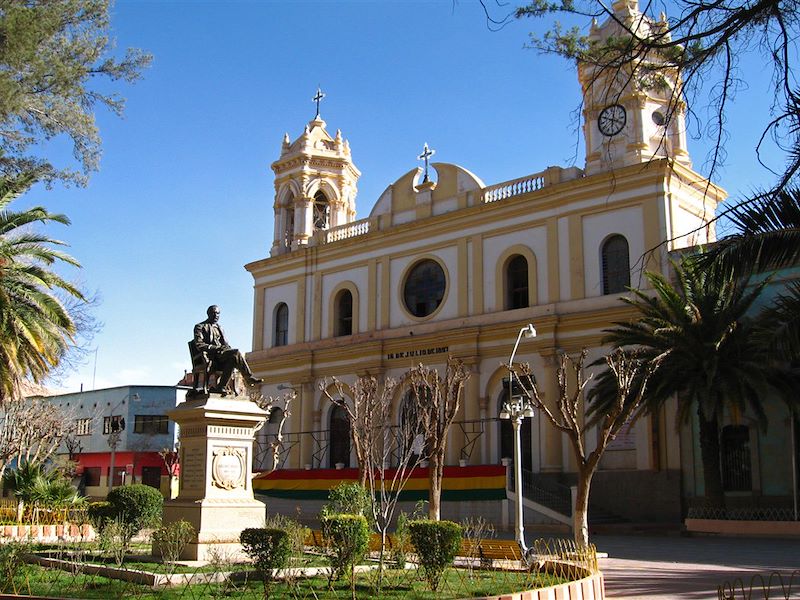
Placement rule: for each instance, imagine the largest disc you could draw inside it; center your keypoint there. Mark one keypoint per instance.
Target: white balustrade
(515, 187)
(350, 230)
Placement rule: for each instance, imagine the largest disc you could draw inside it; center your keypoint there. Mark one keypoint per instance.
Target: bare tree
(438, 401)
(368, 406)
(568, 415)
(268, 404)
(31, 431)
(363, 404)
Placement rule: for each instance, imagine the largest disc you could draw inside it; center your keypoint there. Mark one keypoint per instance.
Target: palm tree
(35, 328)
(701, 335)
(767, 238)
(37, 487)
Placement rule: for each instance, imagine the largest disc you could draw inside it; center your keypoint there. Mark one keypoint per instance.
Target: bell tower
(315, 185)
(633, 112)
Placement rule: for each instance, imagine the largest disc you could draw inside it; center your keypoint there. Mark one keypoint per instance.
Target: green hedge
(436, 543)
(347, 540)
(269, 549)
(137, 505)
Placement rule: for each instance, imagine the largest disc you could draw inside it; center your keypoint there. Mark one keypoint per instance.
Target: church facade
(446, 264)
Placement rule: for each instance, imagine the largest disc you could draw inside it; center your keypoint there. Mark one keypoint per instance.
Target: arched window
(344, 313)
(517, 283)
(735, 454)
(616, 265)
(424, 288)
(322, 211)
(288, 230)
(507, 437)
(340, 437)
(281, 325)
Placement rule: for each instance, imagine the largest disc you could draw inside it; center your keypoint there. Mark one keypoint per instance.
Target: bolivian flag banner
(483, 482)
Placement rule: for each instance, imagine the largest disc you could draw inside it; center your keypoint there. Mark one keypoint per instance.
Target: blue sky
(184, 195)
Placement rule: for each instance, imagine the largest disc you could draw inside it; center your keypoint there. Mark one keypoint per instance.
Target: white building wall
(273, 296)
(359, 277)
(494, 245)
(596, 229)
(448, 258)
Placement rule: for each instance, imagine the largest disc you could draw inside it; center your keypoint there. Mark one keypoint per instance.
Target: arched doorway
(339, 437)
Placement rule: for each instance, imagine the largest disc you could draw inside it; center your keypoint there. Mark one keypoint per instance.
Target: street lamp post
(516, 408)
(114, 437)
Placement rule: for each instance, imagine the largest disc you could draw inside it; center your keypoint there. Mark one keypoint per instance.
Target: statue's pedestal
(215, 484)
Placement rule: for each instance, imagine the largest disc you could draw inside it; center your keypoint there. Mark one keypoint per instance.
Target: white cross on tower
(318, 98)
(426, 154)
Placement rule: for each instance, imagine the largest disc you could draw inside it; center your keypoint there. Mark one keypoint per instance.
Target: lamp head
(529, 331)
(504, 413)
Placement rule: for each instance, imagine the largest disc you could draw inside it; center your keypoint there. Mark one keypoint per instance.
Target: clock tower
(633, 112)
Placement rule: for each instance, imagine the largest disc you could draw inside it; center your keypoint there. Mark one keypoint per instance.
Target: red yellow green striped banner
(483, 482)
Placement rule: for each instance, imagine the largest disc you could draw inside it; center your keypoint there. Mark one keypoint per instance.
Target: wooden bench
(488, 549)
(491, 550)
(316, 539)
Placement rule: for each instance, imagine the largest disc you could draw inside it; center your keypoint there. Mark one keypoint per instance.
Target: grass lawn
(456, 583)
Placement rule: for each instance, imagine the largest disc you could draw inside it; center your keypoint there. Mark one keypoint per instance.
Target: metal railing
(544, 491)
(775, 585)
(754, 513)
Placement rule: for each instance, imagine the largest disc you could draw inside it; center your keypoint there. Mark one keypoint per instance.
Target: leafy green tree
(53, 53)
(35, 328)
(699, 332)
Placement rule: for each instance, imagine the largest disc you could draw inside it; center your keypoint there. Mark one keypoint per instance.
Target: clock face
(611, 120)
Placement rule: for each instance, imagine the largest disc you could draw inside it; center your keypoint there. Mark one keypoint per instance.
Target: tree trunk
(435, 475)
(381, 561)
(580, 512)
(709, 451)
(362, 475)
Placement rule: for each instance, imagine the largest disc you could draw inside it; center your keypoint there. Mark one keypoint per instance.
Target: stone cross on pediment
(425, 156)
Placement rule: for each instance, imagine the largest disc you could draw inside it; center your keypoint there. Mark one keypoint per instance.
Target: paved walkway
(658, 568)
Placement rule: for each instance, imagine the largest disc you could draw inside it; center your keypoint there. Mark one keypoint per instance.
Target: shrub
(477, 529)
(436, 543)
(100, 514)
(297, 533)
(130, 508)
(269, 549)
(401, 541)
(114, 539)
(137, 505)
(12, 566)
(171, 539)
(348, 498)
(347, 539)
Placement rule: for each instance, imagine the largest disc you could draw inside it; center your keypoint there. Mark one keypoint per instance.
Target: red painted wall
(121, 459)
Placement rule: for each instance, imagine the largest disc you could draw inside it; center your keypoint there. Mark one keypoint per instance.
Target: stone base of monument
(215, 490)
(218, 525)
